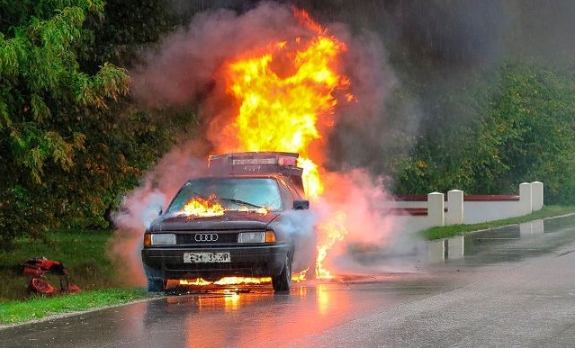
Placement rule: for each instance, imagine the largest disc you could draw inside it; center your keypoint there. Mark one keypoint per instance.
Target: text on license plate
(207, 257)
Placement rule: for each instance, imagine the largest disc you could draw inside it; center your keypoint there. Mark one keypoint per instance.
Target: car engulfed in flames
(232, 223)
(283, 95)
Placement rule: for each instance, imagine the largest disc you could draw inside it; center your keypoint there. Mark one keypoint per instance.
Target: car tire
(282, 282)
(156, 284)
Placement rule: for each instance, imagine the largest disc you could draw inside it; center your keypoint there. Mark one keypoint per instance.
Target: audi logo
(206, 237)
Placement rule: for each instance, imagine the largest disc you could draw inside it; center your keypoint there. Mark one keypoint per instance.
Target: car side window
(285, 193)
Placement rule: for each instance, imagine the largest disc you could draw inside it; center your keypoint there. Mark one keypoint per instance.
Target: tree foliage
(529, 125)
(45, 103)
(526, 134)
(73, 142)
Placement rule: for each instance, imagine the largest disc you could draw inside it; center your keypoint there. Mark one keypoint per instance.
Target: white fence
(436, 209)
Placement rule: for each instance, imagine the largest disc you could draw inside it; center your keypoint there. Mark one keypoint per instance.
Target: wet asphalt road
(510, 287)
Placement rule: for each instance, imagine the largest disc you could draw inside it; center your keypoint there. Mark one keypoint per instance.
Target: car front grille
(206, 238)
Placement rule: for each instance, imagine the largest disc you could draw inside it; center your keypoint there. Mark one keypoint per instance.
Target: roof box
(255, 163)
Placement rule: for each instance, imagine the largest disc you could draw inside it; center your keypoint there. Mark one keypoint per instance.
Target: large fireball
(286, 95)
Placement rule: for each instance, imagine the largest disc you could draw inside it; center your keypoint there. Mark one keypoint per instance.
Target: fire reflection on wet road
(227, 318)
(401, 307)
(261, 318)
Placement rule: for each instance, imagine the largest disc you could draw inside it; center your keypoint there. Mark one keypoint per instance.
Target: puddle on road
(509, 243)
(504, 244)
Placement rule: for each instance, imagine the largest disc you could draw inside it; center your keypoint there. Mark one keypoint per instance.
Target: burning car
(232, 223)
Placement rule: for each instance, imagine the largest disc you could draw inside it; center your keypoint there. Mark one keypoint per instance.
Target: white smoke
(362, 205)
(141, 206)
(139, 209)
(300, 224)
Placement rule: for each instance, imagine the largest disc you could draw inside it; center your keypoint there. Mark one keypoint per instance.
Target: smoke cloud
(362, 208)
(182, 71)
(140, 207)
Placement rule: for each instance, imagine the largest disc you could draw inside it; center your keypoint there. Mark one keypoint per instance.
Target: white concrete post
(456, 247)
(436, 209)
(532, 227)
(455, 214)
(537, 195)
(437, 250)
(525, 198)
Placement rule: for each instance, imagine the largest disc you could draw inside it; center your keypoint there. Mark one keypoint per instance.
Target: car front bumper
(253, 261)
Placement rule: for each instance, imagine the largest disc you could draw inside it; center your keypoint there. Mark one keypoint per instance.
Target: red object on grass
(38, 268)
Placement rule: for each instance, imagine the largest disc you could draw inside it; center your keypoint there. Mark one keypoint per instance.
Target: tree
(526, 134)
(530, 124)
(45, 102)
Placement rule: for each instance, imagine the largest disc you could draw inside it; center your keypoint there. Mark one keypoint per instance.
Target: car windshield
(230, 193)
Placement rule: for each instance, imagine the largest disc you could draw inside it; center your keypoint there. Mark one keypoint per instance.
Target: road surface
(510, 287)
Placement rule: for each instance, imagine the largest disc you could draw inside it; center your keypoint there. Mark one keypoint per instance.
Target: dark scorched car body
(220, 246)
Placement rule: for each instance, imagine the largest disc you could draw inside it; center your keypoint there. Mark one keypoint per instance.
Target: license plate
(207, 257)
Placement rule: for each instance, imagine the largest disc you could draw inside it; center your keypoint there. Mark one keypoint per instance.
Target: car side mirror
(301, 204)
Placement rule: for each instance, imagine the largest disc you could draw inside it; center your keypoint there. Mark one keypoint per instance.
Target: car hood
(230, 220)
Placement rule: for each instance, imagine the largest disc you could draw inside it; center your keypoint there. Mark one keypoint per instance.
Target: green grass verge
(440, 232)
(83, 254)
(38, 307)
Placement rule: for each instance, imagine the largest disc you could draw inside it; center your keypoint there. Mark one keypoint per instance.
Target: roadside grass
(81, 252)
(38, 307)
(440, 232)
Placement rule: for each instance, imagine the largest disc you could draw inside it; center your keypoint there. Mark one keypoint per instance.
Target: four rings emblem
(206, 237)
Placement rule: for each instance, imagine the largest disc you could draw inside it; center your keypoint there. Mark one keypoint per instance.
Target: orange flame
(283, 92)
(225, 281)
(261, 210)
(286, 95)
(204, 207)
(330, 232)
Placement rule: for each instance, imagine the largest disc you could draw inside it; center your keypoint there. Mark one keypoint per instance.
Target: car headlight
(257, 237)
(162, 239)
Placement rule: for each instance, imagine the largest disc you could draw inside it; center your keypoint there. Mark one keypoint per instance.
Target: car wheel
(282, 282)
(156, 284)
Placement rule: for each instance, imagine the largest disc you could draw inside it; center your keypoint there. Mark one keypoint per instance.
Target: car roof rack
(247, 163)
